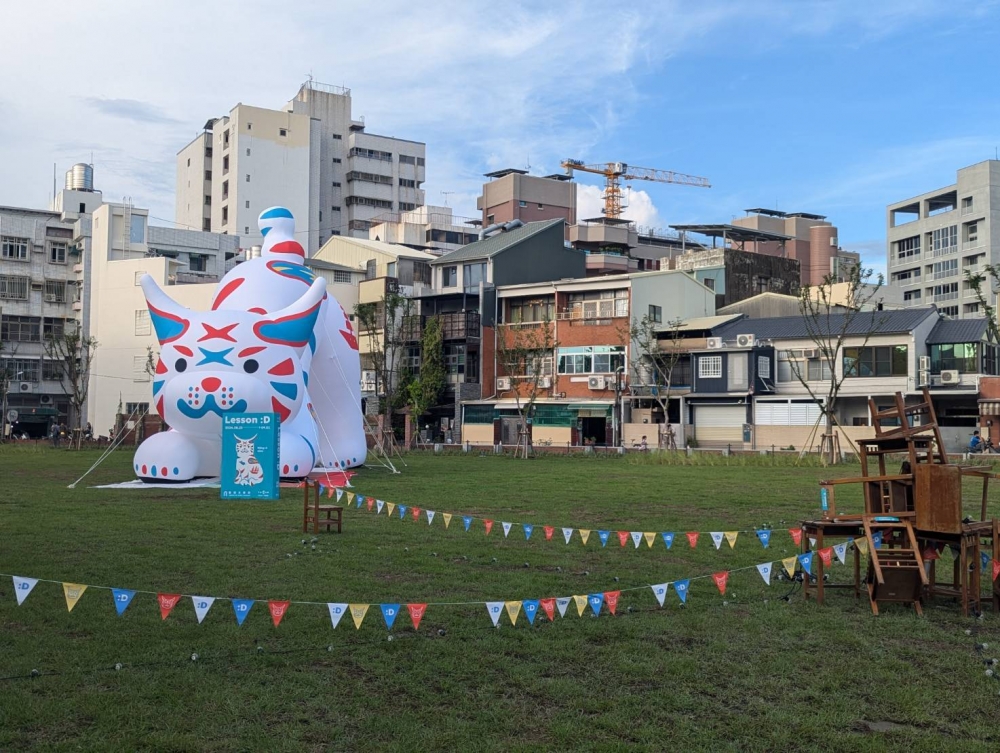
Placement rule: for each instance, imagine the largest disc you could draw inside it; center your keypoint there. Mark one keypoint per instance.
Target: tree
(524, 353)
(70, 354)
(987, 302)
(424, 390)
(6, 376)
(383, 326)
(653, 363)
(829, 321)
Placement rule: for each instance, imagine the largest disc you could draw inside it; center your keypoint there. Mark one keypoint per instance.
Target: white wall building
(312, 156)
(433, 229)
(938, 236)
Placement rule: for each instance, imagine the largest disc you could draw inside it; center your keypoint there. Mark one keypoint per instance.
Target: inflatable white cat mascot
(274, 341)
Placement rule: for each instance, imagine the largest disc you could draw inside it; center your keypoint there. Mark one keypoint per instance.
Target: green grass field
(748, 671)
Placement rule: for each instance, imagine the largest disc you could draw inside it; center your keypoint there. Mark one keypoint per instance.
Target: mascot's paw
(165, 458)
(297, 456)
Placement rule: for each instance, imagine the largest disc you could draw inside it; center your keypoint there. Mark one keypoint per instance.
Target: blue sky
(836, 108)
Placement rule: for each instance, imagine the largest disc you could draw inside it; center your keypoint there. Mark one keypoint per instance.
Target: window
(793, 364)
(522, 204)
(189, 162)
(225, 164)
(336, 184)
(818, 370)
(949, 310)
(490, 220)
(248, 205)
(420, 161)
(967, 205)
(473, 274)
(337, 137)
(337, 160)
(358, 151)
(206, 225)
(763, 367)
(138, 277)
(225, 215)
(57, 253)
(198, 262)
(449, 277)
(523, 311)
(710, 367)
(908, 247)
(20, 329)
(355, 175)
(947, 268)
(55, 291)
(248, 177)
(366, 201)
(888, 361)
(208, 175)
(136, 408)
(334, 209)
(137, 229)
(454, 360)
(208, 153)
(411, 359)
(946, 292)
(406, 206)
(53, 327)
(225, 138)
(963, 357)
(595, 359)
(52, 371)
(246, 230)
(225, 189)
(208, 200)
(656, 314)
(945, 239)
(911, 295)
(709, 283)
(407, 183)
(320, 215)
(282, 131)
(20, 369)
(142, 322)
(340, 275)
(541, 206)
(13, 288)
(14, 248)
(598, 304)
(249, 126)
(139, 372)
(405, 159)
(972, 232)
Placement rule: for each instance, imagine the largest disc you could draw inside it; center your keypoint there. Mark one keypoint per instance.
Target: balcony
(946, 297)
(458, 325)
(945, 251)
(605, 315)
(941, 275)
(971, 244)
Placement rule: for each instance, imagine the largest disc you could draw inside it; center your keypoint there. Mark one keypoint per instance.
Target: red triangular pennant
(489, 526)
(416, 613)
(277, 610)
(611, 599)
(796, 535)
(549, 605)
(623, 537)
(549, 530)
(996, 569)
(416, 512)
(826, 555)
(720, 580)
(371, 504)
(930, 553)
(167, 602)
(692, 538)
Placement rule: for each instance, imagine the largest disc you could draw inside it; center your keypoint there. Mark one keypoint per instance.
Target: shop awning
(989, 407)
(35, 415)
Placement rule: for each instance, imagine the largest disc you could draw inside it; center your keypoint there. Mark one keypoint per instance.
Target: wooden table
(820, 530)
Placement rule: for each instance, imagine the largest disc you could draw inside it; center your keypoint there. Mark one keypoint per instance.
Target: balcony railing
(945, 251)
(941, 275)
(967, 210)
(946, 297)
(967, 245)
(458, 325)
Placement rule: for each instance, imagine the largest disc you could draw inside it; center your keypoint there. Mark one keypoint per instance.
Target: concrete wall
(190, 209)
(502, 198)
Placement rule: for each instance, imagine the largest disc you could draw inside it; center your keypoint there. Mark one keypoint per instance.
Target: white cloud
(589, 204)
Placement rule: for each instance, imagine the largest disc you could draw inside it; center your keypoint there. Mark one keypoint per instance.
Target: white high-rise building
(936, 237)
(311, 156)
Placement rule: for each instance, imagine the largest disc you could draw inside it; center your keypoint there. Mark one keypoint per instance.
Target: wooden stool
(313, 513)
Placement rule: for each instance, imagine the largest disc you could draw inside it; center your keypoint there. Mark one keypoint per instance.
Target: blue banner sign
(250, 456)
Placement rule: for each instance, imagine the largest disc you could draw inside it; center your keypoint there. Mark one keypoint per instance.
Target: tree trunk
(832, 460)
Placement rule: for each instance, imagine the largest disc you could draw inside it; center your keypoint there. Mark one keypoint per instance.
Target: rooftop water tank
(80, 177)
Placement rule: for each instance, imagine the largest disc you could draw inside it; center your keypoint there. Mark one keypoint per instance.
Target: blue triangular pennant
(681, 587)
(603, 536)
(468, 522)
(806, 560)
(668, 539)
(765, 537)
(360, 500)
(877, 539)
(527, 530)
(596, 601)
(402, 511)
(242, 608)
(123, 597)
(322, 490)
(389, 612)
(530, 607)
(985, 558)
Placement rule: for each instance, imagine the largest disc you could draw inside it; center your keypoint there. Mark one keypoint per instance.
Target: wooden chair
(313, 511)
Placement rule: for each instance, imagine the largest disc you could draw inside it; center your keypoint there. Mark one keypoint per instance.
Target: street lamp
(616, 414)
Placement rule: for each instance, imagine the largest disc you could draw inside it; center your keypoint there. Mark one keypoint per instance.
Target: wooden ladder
(896, 570)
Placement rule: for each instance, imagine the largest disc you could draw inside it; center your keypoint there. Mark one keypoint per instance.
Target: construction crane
(615, 172)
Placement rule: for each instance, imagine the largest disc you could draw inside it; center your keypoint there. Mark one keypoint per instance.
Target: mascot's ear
(170, 320)
(294, 325)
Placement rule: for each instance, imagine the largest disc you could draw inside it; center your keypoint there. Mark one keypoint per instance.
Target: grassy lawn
(748, 671)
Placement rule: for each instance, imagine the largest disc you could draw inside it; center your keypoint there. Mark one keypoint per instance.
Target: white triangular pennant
(495, 608)
(379, 504)
(22, 587)
(430, 517)
(812, 543)
(340, 493)
(201, 606)
(562, 603)
(717, 537)
(841, 551)
(506, 529)
(660, 591)
(336, 612)
(764, 568)
(636, 537)
(567, 534)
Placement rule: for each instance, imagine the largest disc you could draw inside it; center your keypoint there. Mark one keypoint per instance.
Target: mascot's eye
(181, 364)
(250, 366)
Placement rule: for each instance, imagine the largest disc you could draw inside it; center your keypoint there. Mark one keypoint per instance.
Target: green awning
(36, 414)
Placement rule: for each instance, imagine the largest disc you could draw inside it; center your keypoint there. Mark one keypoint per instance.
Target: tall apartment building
(312, 156)
(936, 237)
(810, 239)
(435, 230)
(514, 195)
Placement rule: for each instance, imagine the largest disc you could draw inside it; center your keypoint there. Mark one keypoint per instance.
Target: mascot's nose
(211, 384)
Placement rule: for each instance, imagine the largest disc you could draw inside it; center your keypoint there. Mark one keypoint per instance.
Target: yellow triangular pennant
(584, 534)
(73, 592)
(581, 604)
(350, 497)
(731, 538)
(789, 564)
(358, 612)
(390, 506)
(862, 545)
(447, 518)
(650, 537)
(513, 610)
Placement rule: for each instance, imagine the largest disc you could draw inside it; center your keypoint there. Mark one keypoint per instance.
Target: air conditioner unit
(25, 387)
(595, 382)
(923, 379)
(925, 363)
(809, 353)
(744, 341)
(367, 381)
(545, 382)
(45, 400)
(714, 343)
(503, 383)
(950, 376)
